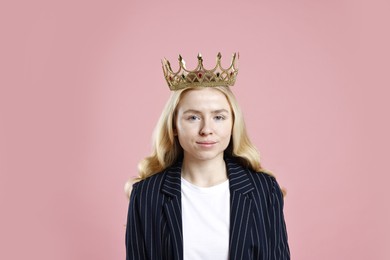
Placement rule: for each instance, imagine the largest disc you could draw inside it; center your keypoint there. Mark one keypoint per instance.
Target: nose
(206, 128)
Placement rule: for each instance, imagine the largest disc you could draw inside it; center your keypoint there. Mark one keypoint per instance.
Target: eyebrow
(194, 111)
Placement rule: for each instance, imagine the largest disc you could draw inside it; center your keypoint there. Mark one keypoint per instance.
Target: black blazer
(257, 227)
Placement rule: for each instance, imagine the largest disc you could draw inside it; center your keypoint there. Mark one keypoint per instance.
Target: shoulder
(158, 182)
(240, 174)
(153, 182)
(261, 179)
(265, 183)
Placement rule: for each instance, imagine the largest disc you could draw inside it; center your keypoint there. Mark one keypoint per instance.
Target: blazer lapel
(240, 209)
(172, 208)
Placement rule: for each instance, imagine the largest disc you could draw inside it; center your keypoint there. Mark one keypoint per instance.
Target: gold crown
(200, 76)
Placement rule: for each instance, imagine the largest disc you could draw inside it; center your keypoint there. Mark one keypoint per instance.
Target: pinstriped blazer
(257, 226)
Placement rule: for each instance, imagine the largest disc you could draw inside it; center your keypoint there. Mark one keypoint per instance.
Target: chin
(207, 157)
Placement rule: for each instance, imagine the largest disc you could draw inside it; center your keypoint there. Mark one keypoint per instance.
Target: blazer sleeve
(279, 244)
(135, 246)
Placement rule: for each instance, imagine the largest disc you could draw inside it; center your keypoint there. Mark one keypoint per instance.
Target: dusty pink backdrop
(81, 89)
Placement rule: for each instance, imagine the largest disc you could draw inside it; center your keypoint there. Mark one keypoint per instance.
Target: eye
(193, 118)
(219, 117)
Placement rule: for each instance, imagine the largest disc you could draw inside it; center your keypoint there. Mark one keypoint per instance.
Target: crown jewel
(200, 76)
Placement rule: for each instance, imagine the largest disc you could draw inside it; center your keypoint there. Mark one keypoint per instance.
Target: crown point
(182, 62)
(200, 56)
(219, 56)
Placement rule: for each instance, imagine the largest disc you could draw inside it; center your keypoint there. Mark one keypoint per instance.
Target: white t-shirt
(206, 218)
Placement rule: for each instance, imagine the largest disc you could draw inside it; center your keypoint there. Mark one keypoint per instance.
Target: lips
(206, 142)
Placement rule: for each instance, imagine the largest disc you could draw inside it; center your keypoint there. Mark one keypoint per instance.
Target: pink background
(81, 88)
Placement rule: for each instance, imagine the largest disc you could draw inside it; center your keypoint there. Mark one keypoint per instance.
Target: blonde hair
(167, 150)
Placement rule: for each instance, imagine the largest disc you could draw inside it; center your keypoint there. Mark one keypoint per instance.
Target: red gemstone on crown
(200, 75)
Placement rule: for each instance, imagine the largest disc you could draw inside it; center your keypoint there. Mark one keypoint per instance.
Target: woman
(202, 194)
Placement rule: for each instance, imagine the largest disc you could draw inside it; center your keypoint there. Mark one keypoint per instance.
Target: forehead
(203, 99)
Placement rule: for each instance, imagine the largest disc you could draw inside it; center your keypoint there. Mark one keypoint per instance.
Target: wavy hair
(167, 150)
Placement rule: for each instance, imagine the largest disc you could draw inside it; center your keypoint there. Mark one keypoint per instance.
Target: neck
(204, 173)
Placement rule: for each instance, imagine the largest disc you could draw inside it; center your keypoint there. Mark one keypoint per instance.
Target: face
(203, 124)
